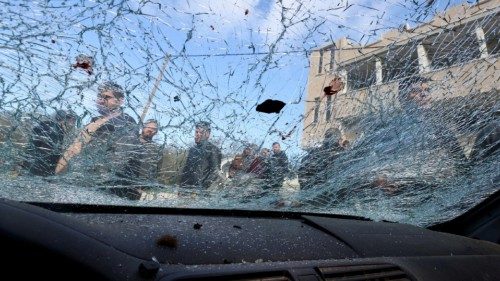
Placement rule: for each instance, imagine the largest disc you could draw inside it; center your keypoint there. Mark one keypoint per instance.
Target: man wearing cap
(108, 144)
(46, 143)
(203, 161)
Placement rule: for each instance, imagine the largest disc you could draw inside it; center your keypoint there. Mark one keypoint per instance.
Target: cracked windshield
(387, 110)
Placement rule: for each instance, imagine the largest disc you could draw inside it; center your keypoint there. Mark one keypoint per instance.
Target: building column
(344, 76)
(482, 42)
(333, 61)
(378, 71)
(423, 59)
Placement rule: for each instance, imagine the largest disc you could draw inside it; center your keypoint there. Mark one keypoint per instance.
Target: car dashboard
(85, 242)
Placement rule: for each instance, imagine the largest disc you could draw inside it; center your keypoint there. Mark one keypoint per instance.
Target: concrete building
(458, 50)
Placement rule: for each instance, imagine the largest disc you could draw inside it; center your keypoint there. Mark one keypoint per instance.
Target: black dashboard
(42, 241)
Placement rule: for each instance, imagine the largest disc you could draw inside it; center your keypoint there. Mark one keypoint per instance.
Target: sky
(225, 58)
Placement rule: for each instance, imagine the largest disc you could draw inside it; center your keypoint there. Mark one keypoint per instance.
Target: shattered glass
(382, 109)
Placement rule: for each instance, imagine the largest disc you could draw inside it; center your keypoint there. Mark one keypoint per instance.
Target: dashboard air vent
(379, 272)
(240, 277)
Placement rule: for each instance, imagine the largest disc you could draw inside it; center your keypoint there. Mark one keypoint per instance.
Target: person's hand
(61, 166)
(83, 138)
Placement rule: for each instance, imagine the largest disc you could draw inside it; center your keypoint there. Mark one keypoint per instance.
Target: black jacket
(150, 155)
(44, 148)
(487, 141)
(202, 165)
(113, 150)
(316, 166)
(279, 165)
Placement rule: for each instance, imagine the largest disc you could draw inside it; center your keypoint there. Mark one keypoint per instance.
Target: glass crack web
(388, 156)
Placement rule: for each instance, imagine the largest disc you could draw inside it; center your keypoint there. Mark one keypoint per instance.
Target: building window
(360, 74)
(328, 108)
(320, 63)
(399, 62)
(316, 110)
(452, 47)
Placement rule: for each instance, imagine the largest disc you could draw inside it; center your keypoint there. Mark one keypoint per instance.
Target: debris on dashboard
(270, 106)
(85, 63)
(167, 241)
(197, 226)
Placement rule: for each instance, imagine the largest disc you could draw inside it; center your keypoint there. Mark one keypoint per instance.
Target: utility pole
(155, 87)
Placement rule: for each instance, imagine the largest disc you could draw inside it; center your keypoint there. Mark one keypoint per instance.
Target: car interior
(53, 241)
(283, 140)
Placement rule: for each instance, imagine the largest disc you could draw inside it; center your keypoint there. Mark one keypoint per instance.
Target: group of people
(272, 168)
(203, 163)
(114, 147)
(111, 147)
(115, 152)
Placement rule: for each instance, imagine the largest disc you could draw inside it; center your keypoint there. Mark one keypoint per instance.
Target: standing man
(109, 141)
(151, 152)
(318, 165)
(203, 161)
(46, 143)
(279, 166)
(487, 141)
(415, 101)
(415, 134)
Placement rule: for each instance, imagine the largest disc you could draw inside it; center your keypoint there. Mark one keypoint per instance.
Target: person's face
(149, 130)
(106, 101)
(421, 95)
(276, 148)
(265, 153)
(247, 151)
(344, 143)
(201, 134)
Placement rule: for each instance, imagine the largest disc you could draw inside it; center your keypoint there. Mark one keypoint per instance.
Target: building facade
(457, 50)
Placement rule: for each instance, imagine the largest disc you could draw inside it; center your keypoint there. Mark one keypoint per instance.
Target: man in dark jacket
(151, 152)
(46, 143)
(107, 148)
(317, 166)
(279, 166)
(203, 161)
(435, 152)
(487, 142)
